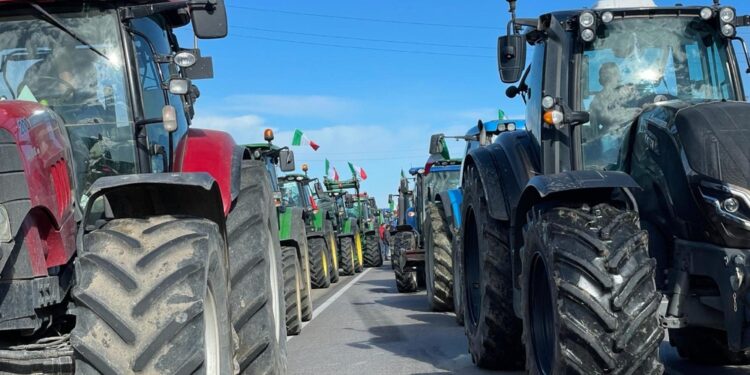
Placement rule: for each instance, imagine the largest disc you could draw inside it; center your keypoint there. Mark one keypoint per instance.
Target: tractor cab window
(292, 195)
(441, 181)
(83, 83)
(638, 61)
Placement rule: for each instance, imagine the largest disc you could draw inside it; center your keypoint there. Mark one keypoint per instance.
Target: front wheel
(589, 297)
(347, 256)
(406, 279)
(372, 255)
(438, 260)
(292, 290)
(320, 277)
(130, 274)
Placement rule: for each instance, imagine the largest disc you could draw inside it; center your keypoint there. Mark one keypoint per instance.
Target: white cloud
(308, 106)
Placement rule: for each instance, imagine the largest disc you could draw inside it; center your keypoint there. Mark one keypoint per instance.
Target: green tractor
(350, 231)
(292, 235)
(370, 220)
(343, 228)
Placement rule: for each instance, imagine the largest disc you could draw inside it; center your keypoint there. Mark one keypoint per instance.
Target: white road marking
(331, 300)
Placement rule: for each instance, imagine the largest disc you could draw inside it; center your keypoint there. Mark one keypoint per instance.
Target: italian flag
(300, 138)
(328, 170)
(358, 171)
(335, 174)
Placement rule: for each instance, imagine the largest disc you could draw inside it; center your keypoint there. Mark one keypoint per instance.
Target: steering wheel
(66, 89)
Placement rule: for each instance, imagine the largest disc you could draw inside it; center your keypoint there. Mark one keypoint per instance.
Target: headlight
(587, 35)
(727, 15)
(607, 17)
(5, 232)
(411, 214)
(707, 13)
(587, 19)
(731, 203)
(728, 30)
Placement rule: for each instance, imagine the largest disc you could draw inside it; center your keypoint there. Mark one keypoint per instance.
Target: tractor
(350, 232)
(612, 217)
(129, 241)
(297, 193)
(366, 210)
(326, 221)
(407, 258)
(480, 135)
(292, 237)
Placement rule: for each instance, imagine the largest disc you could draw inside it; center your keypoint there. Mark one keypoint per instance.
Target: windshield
(359, 207)
(639, 61)
(41, 63)
(292, 195)
(440, 181)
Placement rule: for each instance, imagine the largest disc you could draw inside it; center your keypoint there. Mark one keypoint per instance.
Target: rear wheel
(406, 279)
(320, 277)
(439, 260)
(458, 276)
(292, 290)
(347, 256)
(706, 345)
(491, 325)
(151, 297)
(257, 292)
(590, 304)
(331, 238)
(372, 255)
(358, 253)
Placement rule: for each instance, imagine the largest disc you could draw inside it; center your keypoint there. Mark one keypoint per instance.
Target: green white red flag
(358, 171)
(300, 138)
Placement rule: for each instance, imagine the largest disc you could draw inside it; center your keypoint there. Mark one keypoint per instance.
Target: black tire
(304, 260)
(358, 253)
(346, 258)
(129, 275)
(292, 290)
(491, 325)
(706, 346)
(257, 284)
(320, 277)
(458, 290)
(438, 260)
(590, 303)
(372, 255)
(406, 279)
(332, 246)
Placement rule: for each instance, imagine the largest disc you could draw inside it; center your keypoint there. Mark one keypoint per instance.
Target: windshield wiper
(54, 21)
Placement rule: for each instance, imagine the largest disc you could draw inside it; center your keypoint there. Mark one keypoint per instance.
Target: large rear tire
(332, 246)
(491, 325)
(372, 255)
(257, 292)
(292, 290)
(706, 345)
(347, 256)
(439, 260)
(406, 279)
(320, 277)
(151, 297)
(590, 303)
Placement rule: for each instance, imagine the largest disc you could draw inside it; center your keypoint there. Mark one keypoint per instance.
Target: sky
(369, 81)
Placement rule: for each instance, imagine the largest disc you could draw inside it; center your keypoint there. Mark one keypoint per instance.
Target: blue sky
(368, 92)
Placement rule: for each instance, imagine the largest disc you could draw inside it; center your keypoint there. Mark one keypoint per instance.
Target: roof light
(305, 167)
(607, 17)
(726, 15)
(185, 59)
(707, 13)
(268, 135)
(548, 102)
(511, 126)
(553, 117)
(728, 30)
(587, 35)
(299, 178)
(587, 19)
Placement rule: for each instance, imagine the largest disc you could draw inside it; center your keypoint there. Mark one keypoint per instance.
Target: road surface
(364, 326)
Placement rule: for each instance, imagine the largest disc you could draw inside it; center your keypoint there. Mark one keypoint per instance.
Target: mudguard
(451, 203)
(215, 153)
(289, 222)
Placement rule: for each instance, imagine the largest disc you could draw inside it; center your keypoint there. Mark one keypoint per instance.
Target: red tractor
(129, 241)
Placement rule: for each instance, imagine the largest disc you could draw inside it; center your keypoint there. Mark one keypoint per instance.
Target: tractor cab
(273, 157)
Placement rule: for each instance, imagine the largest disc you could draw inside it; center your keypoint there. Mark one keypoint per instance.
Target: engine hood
(715, 137)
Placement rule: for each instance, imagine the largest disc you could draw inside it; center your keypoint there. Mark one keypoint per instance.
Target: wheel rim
(472, 270)
(211, 334)
(542, 316)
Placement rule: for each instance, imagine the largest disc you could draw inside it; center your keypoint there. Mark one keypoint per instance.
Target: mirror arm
(744, 49)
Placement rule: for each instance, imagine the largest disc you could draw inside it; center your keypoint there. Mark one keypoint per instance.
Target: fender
(215, 153)
(289, 222)
(451, 203)
(504, 168)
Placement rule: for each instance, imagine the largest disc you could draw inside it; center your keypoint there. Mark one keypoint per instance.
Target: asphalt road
(363, 326)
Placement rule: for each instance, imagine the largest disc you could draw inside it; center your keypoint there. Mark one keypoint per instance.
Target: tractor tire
(458, 276)
(358, 253)
(438, 260)
(590, 303)
(406, 280)
(492, 328)
(706, 346)
(346, 258)
(303, 250)
(152, 297)
(332, 246)
(372, 255)
(320, 277)
(257, 284)
(292, 290)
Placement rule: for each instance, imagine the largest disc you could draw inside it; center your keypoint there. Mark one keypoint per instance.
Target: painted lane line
(331, 300)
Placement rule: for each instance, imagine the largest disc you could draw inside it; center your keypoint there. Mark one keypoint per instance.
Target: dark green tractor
(292, 235)
(351, 230)
(369, 219)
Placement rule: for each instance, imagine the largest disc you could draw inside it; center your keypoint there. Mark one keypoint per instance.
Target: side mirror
(209, 18)
(286, 160)
(511, 57)
(319, 190)
(436, 143)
